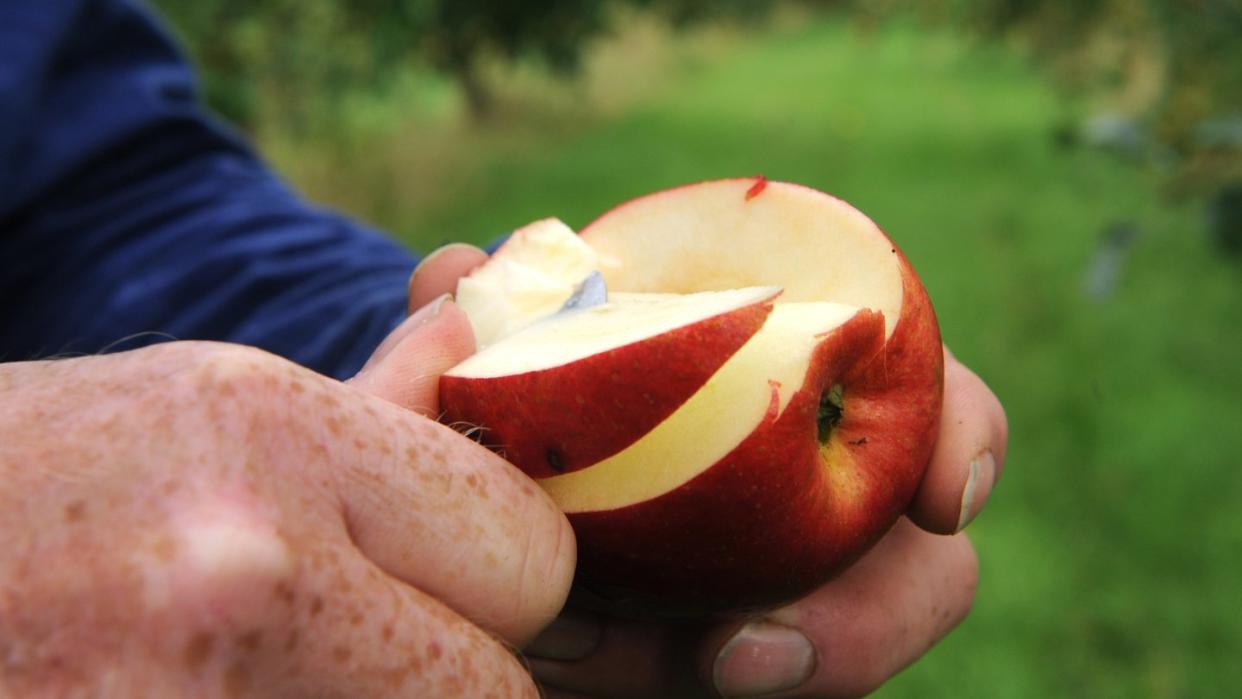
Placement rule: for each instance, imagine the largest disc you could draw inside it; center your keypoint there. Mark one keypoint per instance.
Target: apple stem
(831, 408)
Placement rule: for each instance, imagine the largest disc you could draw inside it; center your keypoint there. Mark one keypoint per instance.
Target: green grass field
(1110, 550)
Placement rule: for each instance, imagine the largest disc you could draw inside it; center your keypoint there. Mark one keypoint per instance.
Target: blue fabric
(125, 209)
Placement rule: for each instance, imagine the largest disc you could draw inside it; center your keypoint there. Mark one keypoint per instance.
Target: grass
(1110, 551)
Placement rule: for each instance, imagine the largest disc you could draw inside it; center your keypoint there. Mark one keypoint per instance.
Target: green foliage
(286, 62)
(291, 61)
(1109, 550)
(1173, 65)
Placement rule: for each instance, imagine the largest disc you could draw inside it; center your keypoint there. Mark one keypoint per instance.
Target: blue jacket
(128, 215)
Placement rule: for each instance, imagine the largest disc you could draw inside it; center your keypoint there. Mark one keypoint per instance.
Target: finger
(438, 511)
(438, 273)
(848, 637)
(969, 454)
(405, 644)
(264, 605)
(406, 367)
(447, 515)
(582, 654)
(355, 632)
(843, 640)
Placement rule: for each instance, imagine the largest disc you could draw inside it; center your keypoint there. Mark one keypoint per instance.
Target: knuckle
(233, 384)
(965, 577)
(233, 569)
(976, 391)
(549, 557)
(223, 369)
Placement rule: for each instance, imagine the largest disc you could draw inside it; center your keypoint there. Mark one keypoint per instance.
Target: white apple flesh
(535, 394)
(710, 475)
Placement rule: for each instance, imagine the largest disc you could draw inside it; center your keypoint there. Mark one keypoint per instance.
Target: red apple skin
(766, 525)
(562, 419)
(757, 528)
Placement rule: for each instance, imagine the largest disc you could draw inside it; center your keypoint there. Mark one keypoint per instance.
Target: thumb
(407, 365)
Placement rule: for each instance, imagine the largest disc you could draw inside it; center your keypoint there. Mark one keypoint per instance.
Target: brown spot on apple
(556, 460)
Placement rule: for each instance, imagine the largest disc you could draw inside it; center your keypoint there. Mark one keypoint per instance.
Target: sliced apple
(797, 443)
(528, 278)
(774, 511)
(559, 395)
(752, 388)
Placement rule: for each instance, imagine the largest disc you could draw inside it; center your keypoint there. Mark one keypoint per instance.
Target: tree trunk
(479, 98)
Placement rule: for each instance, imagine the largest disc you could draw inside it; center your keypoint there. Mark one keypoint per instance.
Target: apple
(752, 408)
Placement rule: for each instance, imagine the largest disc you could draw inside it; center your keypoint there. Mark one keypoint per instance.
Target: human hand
(843, 640)
(197, 519)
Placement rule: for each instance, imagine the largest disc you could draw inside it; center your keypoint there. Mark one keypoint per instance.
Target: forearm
(127, 215)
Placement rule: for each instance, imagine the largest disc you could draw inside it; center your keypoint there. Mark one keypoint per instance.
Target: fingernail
(763, 658)
(415, 321)
(572, 636)
(426, 261)
(430, 256)
(978, 484)
(431, 310)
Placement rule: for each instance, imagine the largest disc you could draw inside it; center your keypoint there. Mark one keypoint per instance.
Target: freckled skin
(224, 524)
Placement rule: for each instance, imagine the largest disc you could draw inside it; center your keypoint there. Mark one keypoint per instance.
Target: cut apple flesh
(576, 388)
(723, 235)
(626, 319)
(529, 278)
(754, 386)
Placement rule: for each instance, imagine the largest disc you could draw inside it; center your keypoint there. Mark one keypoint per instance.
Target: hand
(843, 640)
(209, 520)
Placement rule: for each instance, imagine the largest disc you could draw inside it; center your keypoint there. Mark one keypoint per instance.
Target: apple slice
(560, 394)
(528, 278)
(752, 388)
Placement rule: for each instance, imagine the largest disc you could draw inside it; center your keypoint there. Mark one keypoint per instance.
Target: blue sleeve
(128, 215)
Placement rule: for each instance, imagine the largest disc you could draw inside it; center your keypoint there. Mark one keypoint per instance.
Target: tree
(301, 50)
(1172, 66)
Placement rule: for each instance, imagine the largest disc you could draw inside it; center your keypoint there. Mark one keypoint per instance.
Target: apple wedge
(588, 371)
(779, 452)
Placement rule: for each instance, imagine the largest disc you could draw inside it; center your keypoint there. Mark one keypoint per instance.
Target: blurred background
(1066, 175)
